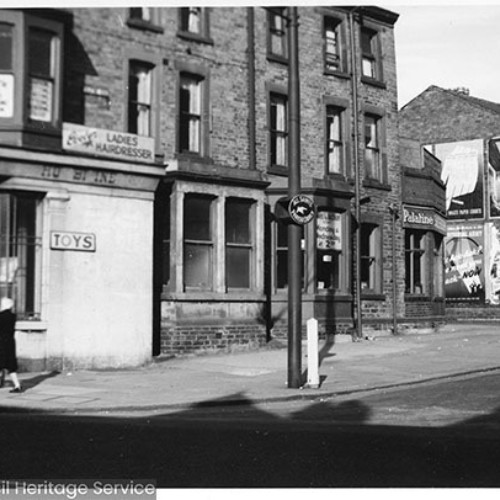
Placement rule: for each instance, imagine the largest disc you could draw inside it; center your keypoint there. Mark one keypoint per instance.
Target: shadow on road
(326, 444)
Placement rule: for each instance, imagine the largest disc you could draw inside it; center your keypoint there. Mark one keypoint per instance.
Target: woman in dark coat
(8, 358)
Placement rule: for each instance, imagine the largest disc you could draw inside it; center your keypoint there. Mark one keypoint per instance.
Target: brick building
(462, 131)
(143, 153)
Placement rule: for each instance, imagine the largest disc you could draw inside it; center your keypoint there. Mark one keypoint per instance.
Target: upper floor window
(191, 19)
(277, 32)
(415, 261)
(31, 72)
(144, 18)
(6, 70)
(43, 54)
(370, 54)
(239, 243)
(142, 13)
(332, 44)
(371, 258)
(139, 98)
(334, 140)
(190, 113)
(194, 24)
(373, 163)
(278, 130)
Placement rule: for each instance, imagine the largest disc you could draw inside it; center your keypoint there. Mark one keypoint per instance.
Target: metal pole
(294, 230)
(357, 178)
(394, 214)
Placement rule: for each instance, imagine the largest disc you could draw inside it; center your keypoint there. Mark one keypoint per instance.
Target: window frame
(203, 35)
(281, 32)
(209, 244)
(56, 63)
(382, 178)
(275, 98)
(375, 239)
(249, 245)
(33, 245)
(413, 252)
(373, 55)
(153, 23)
(340, 253)
(138, 103)
(340, 114)
(281, 249)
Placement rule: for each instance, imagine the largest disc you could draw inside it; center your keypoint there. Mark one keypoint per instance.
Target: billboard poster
(464, 263)
(494, 177)
(462, 173)
(493, 264)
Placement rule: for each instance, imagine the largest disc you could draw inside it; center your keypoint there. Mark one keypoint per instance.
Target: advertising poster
(462, 173)
(493, 265)
(464, 263)
(494, 177)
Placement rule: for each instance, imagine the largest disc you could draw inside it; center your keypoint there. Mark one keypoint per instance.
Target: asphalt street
(439, 434)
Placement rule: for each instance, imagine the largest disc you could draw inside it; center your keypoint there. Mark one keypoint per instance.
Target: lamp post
(294, 230)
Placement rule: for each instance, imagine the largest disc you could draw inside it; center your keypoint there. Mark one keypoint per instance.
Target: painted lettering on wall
(70, 240)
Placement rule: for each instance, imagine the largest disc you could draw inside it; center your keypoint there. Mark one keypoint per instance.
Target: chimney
(460, 90)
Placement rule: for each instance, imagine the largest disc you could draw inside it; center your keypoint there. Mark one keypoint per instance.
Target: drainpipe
(357, 177)
(395, 216)
(251, 87)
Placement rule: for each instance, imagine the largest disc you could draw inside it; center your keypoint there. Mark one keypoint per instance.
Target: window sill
(195, 37)
(198, 295)
(417, 297)
(278, 170)
(277, 58)
(373, 82)
(144, 25)
(337, 73)
(25, 325)
(374, 183)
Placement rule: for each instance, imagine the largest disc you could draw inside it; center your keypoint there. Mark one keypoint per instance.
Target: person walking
(8, 358)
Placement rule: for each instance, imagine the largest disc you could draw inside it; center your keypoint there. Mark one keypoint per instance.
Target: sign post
(294, 230)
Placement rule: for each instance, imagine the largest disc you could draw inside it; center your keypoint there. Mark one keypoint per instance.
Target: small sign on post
(312, 354)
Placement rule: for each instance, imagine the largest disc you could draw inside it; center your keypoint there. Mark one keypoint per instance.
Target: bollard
(312, 354)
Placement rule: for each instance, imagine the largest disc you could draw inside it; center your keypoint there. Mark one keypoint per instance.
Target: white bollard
(312, 354)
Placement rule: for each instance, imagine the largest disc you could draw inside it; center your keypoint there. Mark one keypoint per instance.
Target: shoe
(17, 389)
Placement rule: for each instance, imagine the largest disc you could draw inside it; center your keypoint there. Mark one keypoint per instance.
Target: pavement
(257, 376)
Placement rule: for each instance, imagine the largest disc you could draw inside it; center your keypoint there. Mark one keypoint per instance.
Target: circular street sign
(301, 209)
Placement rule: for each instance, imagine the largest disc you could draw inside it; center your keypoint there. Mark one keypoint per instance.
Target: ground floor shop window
(19, 252)
(371, 258)
(239, 242)
(281, 268)
(438, 266)
(415, 264)
(219, 243)
(330, 254)
(198, 242)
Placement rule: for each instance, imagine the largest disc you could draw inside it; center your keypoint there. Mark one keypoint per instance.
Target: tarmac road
(443, 433)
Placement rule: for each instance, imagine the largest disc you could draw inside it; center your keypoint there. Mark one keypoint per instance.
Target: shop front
(76, 234)
(424, 232)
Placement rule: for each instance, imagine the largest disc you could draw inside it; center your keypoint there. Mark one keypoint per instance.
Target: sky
(449, 46)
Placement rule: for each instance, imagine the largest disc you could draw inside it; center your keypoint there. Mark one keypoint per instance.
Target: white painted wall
(99, 304)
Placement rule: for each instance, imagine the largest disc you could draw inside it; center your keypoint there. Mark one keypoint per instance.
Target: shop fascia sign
(73, 241)
(109, 143)
(423, 218)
